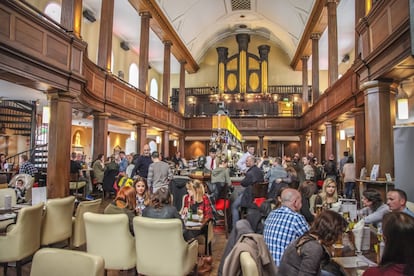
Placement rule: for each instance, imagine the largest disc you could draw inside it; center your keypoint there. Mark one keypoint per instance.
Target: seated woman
(398, 256)
(143, 194)
(196, 202)
(374, 209)
(328, 194)
(161, 208)
(307, 254)
(307, 189)
(124, 203)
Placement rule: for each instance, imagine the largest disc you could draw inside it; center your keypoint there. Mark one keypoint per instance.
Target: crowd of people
(304, 219)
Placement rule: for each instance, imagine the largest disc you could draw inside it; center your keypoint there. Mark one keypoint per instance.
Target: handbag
(204, 265)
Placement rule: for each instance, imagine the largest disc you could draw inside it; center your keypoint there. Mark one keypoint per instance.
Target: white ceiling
(200, 24)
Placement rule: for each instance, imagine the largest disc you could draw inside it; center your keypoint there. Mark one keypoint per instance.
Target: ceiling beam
(317, 23)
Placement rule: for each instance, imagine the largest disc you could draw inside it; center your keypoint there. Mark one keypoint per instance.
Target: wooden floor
(219, 243)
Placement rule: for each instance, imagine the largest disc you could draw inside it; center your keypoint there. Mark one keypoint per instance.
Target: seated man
(285, 224)
(245, 198)
(396, 200)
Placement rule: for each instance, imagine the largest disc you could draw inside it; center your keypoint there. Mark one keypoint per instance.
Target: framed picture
(388, 177)
(374, 172)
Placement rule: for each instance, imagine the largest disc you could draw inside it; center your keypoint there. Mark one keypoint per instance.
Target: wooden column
(181, 93)
(167, 72)
(100, 133)
(378, 126)
(302, 145)
(316, 143)
(360, 150)
(332, 42)
(315, 66)
(359, 14)
(305, 90)
(165, 143)
(260, 146)
(330, 144)
(144, 52)
(142, 133)
(181, 145)
(105, 35)
(60, 141)
(71, 16)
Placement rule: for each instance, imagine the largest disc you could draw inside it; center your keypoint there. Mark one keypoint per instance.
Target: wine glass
(200, 214)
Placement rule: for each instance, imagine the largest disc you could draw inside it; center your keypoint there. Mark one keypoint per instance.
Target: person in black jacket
(245, 199)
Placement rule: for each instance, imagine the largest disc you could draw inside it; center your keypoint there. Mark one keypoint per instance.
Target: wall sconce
(46, 115)
(158, 139)
(402, 104)
(132, 135)
(323, 139)
(310, 143)
(88, 14)
(342, 135)
(175, 143)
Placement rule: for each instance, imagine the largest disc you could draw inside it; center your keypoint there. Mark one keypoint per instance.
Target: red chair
(260, 192)
(223, 204)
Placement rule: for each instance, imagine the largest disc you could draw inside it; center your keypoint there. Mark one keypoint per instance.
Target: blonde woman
(196, 199)
(328, 194)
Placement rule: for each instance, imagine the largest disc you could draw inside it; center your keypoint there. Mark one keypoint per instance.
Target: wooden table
(348, 250)
(195, 224)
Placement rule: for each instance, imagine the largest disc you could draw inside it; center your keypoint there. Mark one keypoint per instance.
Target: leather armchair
(108, 235)
(22, 240)
(248, 265)
(78, 225)
(57, 220)
(161, 248)
(64, 262)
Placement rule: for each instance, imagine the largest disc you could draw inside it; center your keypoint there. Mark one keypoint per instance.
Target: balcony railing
(280, 100)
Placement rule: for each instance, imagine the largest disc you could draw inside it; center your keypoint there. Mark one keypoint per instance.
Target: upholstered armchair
(161, 248)
(248, 265)
(64, 262)
(28, 181)
(109, 236)
(23, 239)
(57, 220)
(7, 191)
(78, 225)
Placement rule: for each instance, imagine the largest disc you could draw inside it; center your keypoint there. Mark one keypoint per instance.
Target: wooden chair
(75, 184)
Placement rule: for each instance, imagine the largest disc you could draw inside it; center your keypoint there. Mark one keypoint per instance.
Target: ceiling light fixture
(402, 104)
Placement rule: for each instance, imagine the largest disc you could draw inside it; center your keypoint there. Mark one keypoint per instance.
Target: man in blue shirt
(285, 224)
(396, 200)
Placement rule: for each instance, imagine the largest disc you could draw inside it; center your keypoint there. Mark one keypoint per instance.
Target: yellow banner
(224, 122)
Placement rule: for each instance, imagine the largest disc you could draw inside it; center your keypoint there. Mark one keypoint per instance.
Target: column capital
(63, 95)
(102, 115)
(167, 42)
(146, 14)
(331, 2)
(315, 36)
(304, 58)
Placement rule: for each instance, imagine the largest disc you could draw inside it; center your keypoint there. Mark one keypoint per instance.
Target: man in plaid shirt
(284, 224)
(26, 167)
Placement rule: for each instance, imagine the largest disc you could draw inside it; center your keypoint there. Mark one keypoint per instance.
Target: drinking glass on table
(200, 214)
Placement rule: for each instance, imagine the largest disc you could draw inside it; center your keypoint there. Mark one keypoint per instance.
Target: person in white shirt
(241, 164)
(211, 162)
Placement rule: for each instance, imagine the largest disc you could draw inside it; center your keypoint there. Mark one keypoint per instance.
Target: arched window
(133, 75)
(154, 89)
(53, 10)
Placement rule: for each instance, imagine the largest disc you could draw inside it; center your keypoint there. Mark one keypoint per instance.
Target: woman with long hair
(398, 256)
(328, 194)
(374, 208)
(124, 203)
(143, 194)
(308, 253)
(196, 200)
